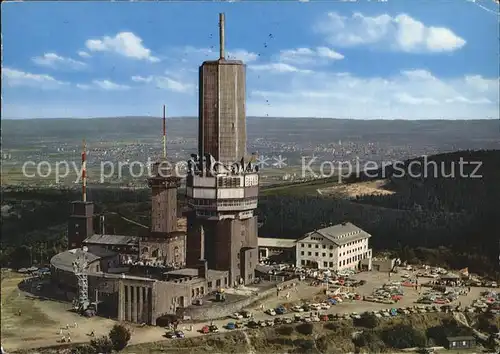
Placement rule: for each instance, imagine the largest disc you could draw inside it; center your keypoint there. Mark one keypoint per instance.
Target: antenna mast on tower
(221, 36)
(84, 171)
(164, 133)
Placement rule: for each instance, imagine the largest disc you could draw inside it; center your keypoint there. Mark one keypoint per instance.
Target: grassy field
(12, 301)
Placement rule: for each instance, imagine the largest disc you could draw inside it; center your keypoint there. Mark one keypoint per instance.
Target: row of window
(221, 203)
(357, 249)
(315, 246)
(348, 234)
(229, 181)
(307, 262)
(309, 245)
(316, 254)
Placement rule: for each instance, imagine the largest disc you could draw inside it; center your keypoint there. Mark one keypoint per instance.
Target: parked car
(179, 334)
(253, 324)
(271, 312)
(230, 325)
(246, 314)
(170, 335)
(236, 316)
(213, 328)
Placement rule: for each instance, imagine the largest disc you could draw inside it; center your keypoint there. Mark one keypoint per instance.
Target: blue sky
(396, 59)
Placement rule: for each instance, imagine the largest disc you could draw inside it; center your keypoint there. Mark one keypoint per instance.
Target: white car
(315, 306)
(325, 306)
(271, 312)
(236, 316)
(297, 308)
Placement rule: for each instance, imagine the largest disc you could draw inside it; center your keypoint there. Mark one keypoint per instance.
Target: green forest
(434, 218)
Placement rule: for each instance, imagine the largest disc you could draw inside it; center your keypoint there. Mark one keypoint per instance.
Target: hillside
(387, 336)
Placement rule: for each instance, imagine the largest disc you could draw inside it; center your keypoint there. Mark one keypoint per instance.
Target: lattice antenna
(80, 266)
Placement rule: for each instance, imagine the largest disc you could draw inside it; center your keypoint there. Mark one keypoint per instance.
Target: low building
(281, 248)
(463, 342)
(336, 247)
(379, 264)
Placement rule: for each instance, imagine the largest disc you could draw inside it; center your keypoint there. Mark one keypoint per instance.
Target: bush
(367, 320)
(332, 326)
(404, 336)
(85, 349)
(119, 336)
(371, 340)
(305, 328)
(285, 330)
(101, 345)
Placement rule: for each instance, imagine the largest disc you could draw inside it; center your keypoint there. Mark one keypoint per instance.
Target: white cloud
(300, 56)
(55, 61)
(200, 54)
(411, 94)
(166, 83)
(142, 78)
(109, 85)
(401, 33)
(13, 77)
(242, 54)
(124, 43)
(278, 68)
(84, 86)
(83, 54)
(106, 85)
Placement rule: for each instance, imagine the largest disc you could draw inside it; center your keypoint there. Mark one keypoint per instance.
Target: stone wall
(219, 310)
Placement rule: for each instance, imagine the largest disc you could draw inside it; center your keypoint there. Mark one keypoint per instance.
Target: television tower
(222, 185)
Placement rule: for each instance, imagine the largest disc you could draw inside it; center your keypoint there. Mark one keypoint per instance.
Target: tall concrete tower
(222, 127)
(221, 187)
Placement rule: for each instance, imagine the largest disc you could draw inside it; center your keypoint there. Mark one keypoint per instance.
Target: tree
(119, 336)
(101, 345)
(367, 320)
(404, 336)
(305, 328)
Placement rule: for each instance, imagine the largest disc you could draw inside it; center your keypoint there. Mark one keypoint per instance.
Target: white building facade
(336, 248)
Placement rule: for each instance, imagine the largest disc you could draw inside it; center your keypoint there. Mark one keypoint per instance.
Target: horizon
(369, 61)
(260, 117)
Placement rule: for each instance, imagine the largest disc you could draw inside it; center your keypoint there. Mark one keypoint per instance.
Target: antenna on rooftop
(221, 35)
(84, 171)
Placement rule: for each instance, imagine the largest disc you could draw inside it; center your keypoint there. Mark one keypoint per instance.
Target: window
(331, 264)
(209, 284)
(303, 262)
(316, 254)
(301, 245)
(331, 247)
(325, 264)
(317, 246)
(217, 282)
(324, 254)
(324, 246)
(302, 253)
(308, 253)
(331, 255)
(309, 245)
